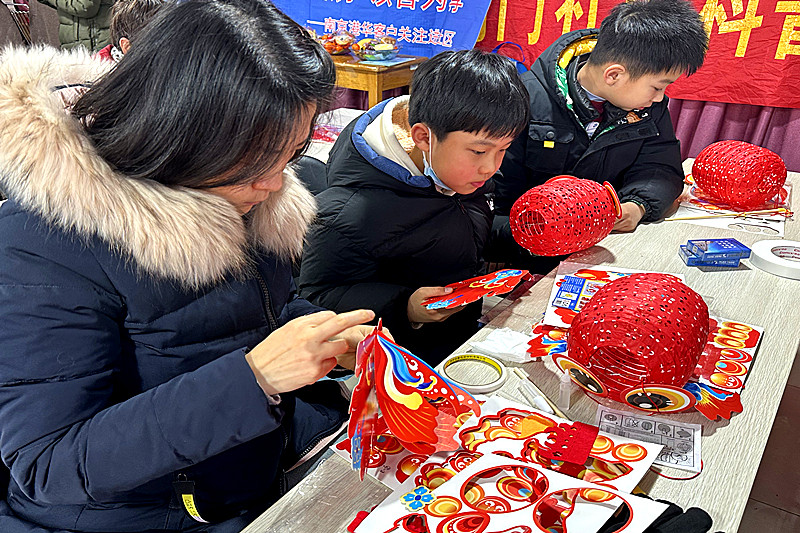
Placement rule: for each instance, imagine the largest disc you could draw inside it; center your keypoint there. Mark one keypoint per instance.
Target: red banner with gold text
(753, 56)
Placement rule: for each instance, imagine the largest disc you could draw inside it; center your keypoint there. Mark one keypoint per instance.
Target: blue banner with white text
(421, 27)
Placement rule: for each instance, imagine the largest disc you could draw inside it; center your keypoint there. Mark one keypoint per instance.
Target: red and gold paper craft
(547, 340)
(723, 367)
(473, 289)
(713, 403)
(571, 443)
(514, 431)
(497, 494)
(519, 433)
(362, 426)
(419, 406)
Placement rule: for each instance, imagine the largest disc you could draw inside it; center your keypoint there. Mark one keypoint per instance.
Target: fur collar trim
(49, 166)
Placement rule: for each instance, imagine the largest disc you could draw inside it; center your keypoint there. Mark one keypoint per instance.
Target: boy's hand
(632, 213)
(419, 314)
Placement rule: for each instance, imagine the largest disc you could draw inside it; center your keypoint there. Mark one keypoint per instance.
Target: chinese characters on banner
(753, 57)
(421, 27)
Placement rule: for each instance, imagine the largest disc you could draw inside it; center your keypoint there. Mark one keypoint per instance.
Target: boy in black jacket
(598, 111)
(406, 210)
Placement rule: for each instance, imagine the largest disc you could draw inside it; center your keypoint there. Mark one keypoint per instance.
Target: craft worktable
(352, 73)
(331, 496)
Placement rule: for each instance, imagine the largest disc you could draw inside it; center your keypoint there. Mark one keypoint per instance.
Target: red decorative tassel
(564, 215)
(740, 174)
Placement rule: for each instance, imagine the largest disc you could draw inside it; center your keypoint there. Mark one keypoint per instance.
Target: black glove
(672, 520)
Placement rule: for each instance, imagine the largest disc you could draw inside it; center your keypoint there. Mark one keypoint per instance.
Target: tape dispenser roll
(491, 385)
(778, 257)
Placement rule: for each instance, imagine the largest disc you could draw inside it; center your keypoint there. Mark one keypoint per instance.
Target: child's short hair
(128, 17)
(651, 37)
(469, 90)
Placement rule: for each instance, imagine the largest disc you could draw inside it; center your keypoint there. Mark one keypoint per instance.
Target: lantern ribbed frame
(564, 215)
(640, 329)
(740, 174)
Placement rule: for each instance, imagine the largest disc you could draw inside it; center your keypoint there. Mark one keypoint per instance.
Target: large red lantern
(637, 341)
(740, 174)
(564, 215)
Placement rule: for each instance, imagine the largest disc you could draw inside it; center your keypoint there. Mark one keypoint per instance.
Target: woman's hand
(419, 314)
(352, 336)
(304, 349)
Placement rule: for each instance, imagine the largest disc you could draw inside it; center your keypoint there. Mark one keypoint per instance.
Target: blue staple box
(718, 249)
(692, 260)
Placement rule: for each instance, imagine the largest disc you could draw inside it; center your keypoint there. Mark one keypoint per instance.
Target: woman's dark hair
(211, 88)
(652, 37)
(469, 90)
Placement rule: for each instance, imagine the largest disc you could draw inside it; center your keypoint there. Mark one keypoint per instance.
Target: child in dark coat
(406, 210)
(598, 112)
(128, 18)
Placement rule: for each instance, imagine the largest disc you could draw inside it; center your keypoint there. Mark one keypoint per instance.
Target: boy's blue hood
(384, 164)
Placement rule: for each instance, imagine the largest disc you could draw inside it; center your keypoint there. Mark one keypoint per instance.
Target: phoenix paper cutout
(418, 405)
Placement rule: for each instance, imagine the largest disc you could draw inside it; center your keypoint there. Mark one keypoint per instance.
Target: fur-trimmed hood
(49, 166)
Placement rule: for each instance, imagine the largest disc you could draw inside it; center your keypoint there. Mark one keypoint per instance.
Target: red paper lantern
(740, 174)
(564, 215)
(638, 341)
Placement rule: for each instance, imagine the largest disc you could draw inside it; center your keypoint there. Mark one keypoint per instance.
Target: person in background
(405, 211)
(158, 371)
(82, 22)
(598, 111)
(128, 18)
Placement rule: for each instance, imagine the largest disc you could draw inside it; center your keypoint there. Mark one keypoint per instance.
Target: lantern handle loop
(561, 177)
(612, 194)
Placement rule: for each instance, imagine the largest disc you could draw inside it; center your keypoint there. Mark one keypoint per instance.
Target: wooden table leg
(374, 91)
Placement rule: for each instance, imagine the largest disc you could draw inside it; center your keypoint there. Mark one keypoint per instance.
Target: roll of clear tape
(778, 257)
(485, 387)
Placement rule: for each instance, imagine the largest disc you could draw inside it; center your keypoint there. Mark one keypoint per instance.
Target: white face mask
(428, 165)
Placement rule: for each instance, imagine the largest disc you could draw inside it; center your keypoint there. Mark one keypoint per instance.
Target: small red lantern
(637, 341)
(564, 215)
(740, 174)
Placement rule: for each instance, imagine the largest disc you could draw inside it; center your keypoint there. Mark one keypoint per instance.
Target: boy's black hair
(129, 17)
(469, 90)
(651, 37)
(212, 88)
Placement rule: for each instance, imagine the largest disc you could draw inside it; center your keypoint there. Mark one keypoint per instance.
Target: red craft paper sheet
(547, 340)
(500, 494)
(723, 367)
(505, 427)
(571, 443)
(473, 289)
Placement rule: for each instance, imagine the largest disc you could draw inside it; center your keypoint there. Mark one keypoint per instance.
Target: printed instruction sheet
(681, 440)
